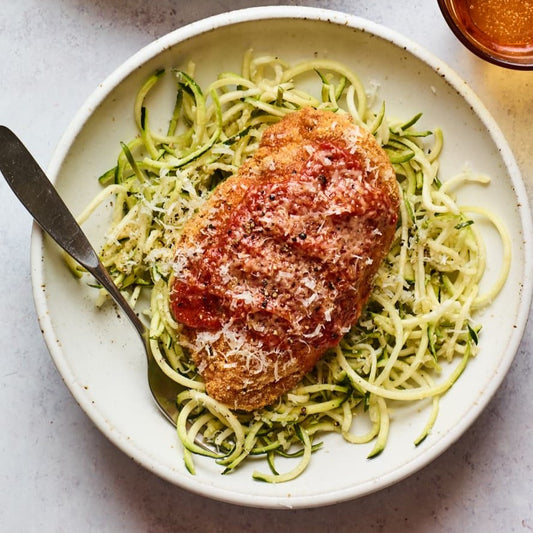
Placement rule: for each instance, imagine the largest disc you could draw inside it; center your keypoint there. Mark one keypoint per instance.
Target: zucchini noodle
(418, 319)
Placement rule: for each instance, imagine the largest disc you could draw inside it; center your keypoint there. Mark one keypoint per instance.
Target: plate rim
(251, 14)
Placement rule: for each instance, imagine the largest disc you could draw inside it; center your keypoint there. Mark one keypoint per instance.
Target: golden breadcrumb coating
(279, 262)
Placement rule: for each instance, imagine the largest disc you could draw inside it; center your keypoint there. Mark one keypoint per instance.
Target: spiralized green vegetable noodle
(426, 291)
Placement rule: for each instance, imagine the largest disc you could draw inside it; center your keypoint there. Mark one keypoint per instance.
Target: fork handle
(41, 199)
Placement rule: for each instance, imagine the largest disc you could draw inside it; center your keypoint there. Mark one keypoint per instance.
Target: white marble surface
(57, 472)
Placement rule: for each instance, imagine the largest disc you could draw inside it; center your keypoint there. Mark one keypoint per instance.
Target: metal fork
(41, 199)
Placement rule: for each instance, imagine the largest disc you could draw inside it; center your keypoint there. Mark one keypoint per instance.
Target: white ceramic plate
(100, 356)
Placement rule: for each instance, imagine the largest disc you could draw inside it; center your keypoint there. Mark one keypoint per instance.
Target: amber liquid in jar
(505, 26)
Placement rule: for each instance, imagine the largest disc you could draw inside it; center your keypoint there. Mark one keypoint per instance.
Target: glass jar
(499, 31)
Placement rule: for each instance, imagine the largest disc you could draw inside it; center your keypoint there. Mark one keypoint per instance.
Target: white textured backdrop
(57, 472)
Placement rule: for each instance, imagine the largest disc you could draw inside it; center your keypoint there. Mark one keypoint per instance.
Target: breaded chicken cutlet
(278, 263)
